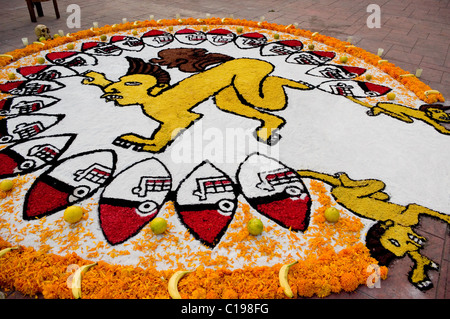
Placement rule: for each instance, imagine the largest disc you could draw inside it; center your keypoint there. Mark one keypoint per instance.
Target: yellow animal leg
(326, 178)
(418, 274)
(397, 111)
(364, 187)
(262, 91)
(410, 216)
(228, 101)
(165, 134)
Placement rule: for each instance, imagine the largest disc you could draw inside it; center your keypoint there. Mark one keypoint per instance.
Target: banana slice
(431, 92)
(283, 277)
(76, 280)
(6, 250)
(173, 283)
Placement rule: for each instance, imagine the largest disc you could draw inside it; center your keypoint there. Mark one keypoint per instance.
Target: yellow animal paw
(418, 275)
(95, 78)
(90, 77)
(138, 144)
(127, 141)
(153, 148)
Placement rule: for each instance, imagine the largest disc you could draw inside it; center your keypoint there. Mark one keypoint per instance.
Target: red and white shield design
(276, 191)
(284, 47)
(220, 36)
(24, 127)
(337, 72)
(101, 48)
(30, 87)
(311, 57)
(250, 40)
(25, 104)
(190, 36)
(133, 199)
(354, 88)
(45, 72)
(68, 182)
(26, 157)
(71, 58)
(127, 43)
(157, 38)
(206, 202)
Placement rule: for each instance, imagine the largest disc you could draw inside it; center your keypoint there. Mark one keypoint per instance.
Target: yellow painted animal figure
(433, 114)
(366, 199)
(240, 86)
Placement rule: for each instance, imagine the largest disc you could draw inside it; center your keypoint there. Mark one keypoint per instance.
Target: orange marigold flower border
(35, 272)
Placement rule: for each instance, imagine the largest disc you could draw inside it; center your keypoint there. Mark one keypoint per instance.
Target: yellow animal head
(133, 89)
(142, 81)
(400, 239)
(438, 114)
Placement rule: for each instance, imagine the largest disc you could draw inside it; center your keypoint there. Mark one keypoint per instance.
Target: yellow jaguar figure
(366, 199)
(239, 86)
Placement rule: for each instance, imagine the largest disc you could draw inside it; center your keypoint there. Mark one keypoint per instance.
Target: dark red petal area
(44, 199)
(120, 223)
(28, 70)
(290, 213)
(7, 165)
(208, 225)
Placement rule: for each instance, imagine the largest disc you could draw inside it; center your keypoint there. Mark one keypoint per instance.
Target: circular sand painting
(208, 126)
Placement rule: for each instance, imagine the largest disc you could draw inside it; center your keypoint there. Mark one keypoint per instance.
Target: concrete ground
(413, 33)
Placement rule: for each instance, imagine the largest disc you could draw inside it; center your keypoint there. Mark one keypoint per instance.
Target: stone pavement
(413, 33)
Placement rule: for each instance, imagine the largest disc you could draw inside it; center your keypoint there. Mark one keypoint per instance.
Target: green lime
(158, 225)
(343, 59)
(255, 226)
(332, 214)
